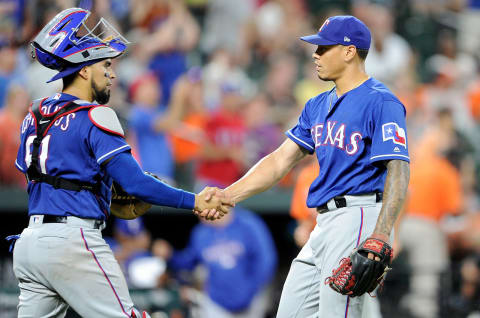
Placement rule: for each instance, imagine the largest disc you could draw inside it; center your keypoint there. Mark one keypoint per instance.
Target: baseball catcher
(358, 274)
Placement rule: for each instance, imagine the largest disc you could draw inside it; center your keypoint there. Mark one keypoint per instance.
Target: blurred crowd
(208, 87)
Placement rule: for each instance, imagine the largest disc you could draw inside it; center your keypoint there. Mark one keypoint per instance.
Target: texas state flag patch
(391, 131)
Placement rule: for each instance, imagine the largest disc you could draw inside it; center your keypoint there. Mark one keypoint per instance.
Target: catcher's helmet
(60, 46)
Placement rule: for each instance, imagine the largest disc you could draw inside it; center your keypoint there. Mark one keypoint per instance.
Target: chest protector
(43, 122)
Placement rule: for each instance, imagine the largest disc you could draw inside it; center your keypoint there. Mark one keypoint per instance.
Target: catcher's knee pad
(136, 314)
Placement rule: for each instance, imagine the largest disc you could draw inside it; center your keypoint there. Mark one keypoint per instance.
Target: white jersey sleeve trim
(299, 140)
(391, 155)
(18, 166)
(99, 160)
(106, 119)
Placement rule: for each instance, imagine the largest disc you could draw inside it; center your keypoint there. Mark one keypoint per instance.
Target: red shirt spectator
(222, 157)
(10, 120)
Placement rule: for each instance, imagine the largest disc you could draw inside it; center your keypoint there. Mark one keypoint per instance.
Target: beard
(102, 96)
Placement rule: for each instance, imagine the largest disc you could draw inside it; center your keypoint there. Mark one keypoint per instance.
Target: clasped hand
(212, 203)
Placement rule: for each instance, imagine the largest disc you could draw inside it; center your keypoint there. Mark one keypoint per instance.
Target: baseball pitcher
(357, 133)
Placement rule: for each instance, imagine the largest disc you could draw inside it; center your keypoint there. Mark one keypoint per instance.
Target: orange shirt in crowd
(298, 207)
(435, 188)
(185, 150)
(474, 101)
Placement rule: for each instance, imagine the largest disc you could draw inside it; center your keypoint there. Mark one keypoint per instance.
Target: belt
(343, 201)
(81, 222)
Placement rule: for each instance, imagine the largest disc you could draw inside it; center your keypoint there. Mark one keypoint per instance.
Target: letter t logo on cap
(324, 24)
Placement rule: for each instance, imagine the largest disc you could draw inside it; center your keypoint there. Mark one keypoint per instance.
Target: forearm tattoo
(393, 195)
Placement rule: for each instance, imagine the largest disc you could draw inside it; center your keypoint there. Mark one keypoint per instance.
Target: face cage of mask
(104, 27)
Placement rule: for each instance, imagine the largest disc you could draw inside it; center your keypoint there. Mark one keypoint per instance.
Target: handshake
(212, 203)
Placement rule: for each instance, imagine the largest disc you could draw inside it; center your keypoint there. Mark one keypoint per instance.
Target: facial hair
(102, 96)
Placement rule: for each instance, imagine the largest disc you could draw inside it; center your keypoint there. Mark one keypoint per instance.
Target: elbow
(134, 185)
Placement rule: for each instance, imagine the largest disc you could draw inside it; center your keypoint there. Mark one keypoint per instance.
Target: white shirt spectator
(386, 65)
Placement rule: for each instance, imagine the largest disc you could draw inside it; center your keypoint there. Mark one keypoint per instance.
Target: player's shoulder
(381, 95)
(106, 119)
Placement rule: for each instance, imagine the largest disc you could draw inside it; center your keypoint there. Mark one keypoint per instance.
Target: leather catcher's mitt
(126, 206)
(357, 274)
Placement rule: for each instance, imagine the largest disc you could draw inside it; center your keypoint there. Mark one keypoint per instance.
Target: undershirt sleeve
(125, 170)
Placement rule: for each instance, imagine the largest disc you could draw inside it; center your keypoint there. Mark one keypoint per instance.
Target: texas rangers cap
(343, 30)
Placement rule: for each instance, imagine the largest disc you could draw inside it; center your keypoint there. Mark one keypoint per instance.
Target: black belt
(341, 202)
(63, 219)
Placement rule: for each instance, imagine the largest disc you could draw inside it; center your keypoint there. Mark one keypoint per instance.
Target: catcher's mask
(66, 43)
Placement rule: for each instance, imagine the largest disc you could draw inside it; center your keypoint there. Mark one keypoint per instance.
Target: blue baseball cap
(343, 30)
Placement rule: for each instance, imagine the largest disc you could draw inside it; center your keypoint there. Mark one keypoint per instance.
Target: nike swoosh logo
(44, 121)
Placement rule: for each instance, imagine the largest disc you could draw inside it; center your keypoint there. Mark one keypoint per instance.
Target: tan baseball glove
(126, 206)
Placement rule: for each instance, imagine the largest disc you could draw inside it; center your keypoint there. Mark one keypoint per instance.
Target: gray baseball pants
(336, 234)
(58, 265)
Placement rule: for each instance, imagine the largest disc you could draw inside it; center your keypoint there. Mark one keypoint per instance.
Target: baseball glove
(357, 274)
(126, 206)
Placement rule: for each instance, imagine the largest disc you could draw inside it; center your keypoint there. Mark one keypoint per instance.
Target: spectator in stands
(262, 40)
(130, 239)
(174, 32)
(36, 74)
(240, 258)
(262, 135)
(434, 192)
(459, 151)
(450, 61)
(149, 121)
(222, 158)
(142, 268)
(223, 24)
(308, 86)
(135, 62)
(11, 117)
(188, 104)
(305, 216)
(223, 67)
(279, 87)
(13, 65)
(465, 303)
(452, 73)
(389, 54)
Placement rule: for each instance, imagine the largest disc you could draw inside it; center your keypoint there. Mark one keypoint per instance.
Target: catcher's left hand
(126, 206)
(357, 274)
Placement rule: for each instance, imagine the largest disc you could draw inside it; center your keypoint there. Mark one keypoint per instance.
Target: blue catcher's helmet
(60, 46)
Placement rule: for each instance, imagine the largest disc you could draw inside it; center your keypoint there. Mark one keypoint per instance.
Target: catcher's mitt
(357, 274)
(126, 206)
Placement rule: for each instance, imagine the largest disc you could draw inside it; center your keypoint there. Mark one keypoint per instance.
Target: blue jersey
(73, 148)
(350, 135)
